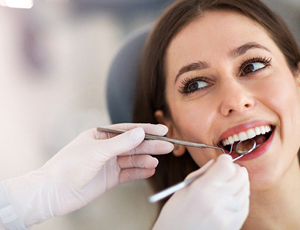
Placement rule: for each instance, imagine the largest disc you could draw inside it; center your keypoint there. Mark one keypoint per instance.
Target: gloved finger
(154, 129)
(154, 147)
(221, 171)
(127, 175)
(232, 210)
(232, 220)
(243, 193)
(235, 203)
(137, 161)
(238, 181)
(238, 218)
(245, 208)
(198, 184)
(122, 143)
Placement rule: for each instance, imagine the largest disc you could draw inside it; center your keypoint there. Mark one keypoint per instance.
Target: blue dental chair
(120, 88)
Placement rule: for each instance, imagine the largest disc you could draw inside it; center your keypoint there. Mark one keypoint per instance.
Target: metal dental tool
(245, 147)
(161, 138)
(242, 148)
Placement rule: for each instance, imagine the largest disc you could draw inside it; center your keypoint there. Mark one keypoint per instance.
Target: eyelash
(264, 60)
(188, 81)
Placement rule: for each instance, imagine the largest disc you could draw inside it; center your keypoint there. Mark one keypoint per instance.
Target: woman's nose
(235, 98)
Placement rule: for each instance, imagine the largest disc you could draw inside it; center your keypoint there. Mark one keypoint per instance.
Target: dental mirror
(244, 147)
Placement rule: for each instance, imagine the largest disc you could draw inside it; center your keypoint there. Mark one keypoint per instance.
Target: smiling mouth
(259, 134)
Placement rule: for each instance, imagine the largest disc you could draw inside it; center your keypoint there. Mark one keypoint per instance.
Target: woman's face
(227, 80)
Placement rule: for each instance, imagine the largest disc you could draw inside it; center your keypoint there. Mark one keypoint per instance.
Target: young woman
(221, 71)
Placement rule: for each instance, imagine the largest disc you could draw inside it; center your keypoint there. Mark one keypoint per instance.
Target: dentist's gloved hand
(217, 200)
(87, 167)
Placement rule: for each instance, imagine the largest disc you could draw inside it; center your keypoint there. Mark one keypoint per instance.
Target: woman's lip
(256, 152)
(241, 128)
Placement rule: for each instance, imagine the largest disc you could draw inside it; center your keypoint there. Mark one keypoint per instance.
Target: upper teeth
(248, 134)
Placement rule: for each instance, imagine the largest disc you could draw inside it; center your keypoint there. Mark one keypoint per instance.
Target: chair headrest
(121, 82)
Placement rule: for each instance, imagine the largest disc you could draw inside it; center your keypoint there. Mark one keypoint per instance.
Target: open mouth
(259, 134)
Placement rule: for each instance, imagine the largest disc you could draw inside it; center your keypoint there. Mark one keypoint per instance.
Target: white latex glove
(83, 170)
(217, 200)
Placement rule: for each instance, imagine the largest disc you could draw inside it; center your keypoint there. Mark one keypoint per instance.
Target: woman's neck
(277, 207)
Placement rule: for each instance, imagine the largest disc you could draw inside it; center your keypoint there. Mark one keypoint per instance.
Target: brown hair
(150, 93)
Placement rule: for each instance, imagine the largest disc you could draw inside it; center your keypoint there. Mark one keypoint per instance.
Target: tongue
(260, 139)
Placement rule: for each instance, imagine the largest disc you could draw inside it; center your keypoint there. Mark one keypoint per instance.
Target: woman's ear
(179, 150)
(298, 74)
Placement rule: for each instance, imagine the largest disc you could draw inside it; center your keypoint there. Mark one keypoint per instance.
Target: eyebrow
(234, 53)
(244, 48)
(193, 66)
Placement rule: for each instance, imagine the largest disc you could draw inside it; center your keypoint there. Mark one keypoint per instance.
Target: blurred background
(54, 60)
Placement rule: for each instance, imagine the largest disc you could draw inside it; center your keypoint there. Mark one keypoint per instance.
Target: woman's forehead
(212, 34)
(216, 26)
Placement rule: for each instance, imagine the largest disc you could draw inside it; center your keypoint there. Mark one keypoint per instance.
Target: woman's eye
(254, 64)
(193, 85)
(250, 68)
(196, 85)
